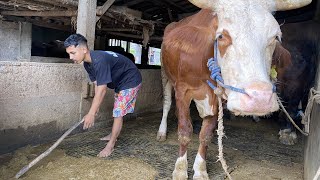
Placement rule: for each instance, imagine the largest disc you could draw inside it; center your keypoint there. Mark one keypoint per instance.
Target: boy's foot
(106, 151)
(106, 138)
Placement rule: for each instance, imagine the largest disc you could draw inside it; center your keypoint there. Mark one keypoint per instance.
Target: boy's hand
(88, 121)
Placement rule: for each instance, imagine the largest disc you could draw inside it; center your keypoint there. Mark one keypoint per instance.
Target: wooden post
(103, 9)
(86, 20)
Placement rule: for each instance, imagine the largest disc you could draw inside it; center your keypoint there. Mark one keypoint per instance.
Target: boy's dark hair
(75, 40)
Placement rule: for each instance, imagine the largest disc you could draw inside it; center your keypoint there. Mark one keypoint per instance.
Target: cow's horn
(203, 4)
(283, 5)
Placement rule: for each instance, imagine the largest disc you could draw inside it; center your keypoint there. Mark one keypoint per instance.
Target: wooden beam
(120, 29)
(31, 5)
(103, 9)
(61, 3)
(131, 3)
(40, 13)
(154, 38)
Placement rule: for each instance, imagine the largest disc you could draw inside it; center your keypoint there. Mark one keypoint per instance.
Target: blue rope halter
(216, 73)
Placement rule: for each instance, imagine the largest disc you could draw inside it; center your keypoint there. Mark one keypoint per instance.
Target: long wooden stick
(48, 151)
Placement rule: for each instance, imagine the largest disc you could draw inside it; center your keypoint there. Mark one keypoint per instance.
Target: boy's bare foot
(106, 138)
(106, 151)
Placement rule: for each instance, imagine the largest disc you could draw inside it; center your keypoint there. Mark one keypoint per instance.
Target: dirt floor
(251, 149)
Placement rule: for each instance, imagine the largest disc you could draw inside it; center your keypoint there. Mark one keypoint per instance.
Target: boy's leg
(116, 129)
(124, 103)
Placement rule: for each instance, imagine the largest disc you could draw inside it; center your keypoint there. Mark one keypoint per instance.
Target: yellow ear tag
(273, 73)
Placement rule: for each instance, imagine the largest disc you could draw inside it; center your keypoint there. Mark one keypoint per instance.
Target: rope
(216, 76)
(306, 116)
(216, 72)
(291, 120)
(220, 133)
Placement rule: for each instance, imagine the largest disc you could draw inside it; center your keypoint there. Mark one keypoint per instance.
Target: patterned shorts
(124, 101)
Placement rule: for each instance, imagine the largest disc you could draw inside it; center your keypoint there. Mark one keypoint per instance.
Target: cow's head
(247, 33)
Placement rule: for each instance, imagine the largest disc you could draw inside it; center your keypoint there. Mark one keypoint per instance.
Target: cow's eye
(220, 36)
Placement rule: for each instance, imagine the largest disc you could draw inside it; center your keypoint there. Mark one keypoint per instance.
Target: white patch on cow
(181, 168)
(204, 107)
(200, 168)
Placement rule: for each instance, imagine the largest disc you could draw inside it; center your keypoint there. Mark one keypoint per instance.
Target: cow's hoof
(287, 137)
(179, 175)
(202, 176)
(200, 169)
(181, 168)
(161, 136)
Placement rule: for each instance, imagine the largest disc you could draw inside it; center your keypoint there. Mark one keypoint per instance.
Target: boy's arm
(100, 92)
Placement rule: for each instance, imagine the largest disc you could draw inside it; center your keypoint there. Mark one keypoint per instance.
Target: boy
(106, 69)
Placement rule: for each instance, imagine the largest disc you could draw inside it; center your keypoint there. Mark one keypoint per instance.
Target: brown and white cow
(246, 32)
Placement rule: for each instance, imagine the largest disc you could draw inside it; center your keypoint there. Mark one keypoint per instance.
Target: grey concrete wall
(15, 41)
(39, 101)
(50, 59)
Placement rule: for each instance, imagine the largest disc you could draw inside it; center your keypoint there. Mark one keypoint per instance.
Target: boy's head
(76, 46)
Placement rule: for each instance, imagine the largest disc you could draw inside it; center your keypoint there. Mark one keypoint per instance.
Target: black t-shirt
(112, 69)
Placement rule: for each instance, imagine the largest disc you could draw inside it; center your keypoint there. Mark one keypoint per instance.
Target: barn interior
(42, 94)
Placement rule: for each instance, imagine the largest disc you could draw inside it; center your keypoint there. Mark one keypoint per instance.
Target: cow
(296, 73)
(246, 34)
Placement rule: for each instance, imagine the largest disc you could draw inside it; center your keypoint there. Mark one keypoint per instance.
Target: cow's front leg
(167, 99)
(184, 136)
(206, 133)
(287, 134)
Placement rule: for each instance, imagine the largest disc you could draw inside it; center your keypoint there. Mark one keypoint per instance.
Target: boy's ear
(84, 49)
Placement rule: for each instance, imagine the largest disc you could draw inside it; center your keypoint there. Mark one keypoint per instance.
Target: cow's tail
(166, 85)
(167, 99)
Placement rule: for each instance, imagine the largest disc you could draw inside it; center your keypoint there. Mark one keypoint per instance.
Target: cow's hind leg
(167, 99)
(184, 134)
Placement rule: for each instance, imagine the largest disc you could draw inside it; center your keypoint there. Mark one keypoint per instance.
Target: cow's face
(247, 38)
(247, 33)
